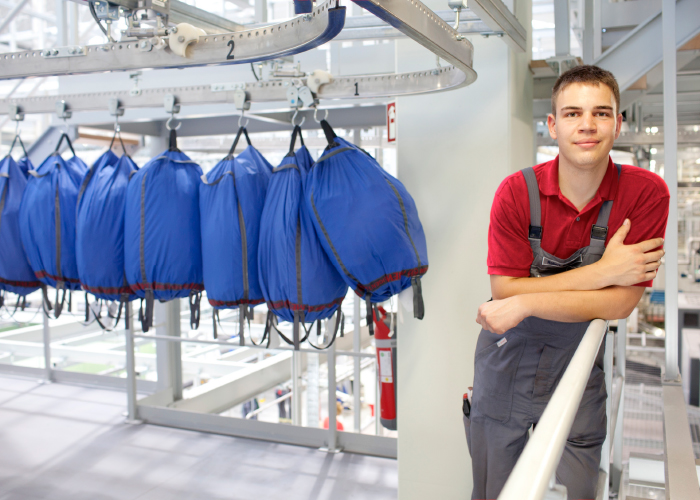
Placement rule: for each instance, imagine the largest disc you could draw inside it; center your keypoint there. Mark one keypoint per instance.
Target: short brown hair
(585, 74)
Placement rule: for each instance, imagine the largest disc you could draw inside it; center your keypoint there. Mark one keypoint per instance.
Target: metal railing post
(332, 420)
(296, 388)
(132, 409)
(621, 360)
(46, 335)
(607, 445)
(356, 344)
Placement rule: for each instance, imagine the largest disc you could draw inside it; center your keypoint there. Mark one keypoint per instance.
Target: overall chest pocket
(495, 367)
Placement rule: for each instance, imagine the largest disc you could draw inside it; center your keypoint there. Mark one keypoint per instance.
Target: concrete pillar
(454, 149)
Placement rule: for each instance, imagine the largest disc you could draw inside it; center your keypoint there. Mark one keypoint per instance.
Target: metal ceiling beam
(499, 18)
(29, 12)
(636, 54)
(276, 40)
(417, 21)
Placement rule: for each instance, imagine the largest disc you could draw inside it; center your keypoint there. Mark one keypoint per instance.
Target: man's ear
(618, 125)
(551, 122)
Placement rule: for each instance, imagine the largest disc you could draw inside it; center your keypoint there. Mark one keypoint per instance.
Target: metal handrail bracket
(538, 462)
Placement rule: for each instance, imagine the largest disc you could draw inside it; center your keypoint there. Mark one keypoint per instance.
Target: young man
(570, 240)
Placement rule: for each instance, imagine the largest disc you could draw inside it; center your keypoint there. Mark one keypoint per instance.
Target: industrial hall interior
(349, 249)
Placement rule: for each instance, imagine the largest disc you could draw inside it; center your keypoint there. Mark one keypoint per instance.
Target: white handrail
(538, 462)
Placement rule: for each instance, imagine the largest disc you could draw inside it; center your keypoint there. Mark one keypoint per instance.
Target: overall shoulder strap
(599, 231)
(533, 192)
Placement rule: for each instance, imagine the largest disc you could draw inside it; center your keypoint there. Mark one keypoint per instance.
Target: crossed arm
(601, 290)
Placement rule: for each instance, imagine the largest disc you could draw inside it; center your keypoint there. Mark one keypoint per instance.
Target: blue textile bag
(162, 241)
(231, 198)
(16, 274)
(367, 223)
(299, 282)
(100, 227)
(47, 222)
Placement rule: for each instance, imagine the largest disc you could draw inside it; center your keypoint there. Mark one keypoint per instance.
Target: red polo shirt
(639, 195)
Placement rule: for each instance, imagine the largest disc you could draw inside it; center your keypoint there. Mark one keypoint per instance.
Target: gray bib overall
(516, 373)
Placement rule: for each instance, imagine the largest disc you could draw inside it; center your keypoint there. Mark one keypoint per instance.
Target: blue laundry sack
(162, 238)
(231, 198)
(47, 222)
(16, 275)
(299, 282)
(100, 227)
(367, 223)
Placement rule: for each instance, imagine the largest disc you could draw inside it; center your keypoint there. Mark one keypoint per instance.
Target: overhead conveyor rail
(258, 44)
(302, 33)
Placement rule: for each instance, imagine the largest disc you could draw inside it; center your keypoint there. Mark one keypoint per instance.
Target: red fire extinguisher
(386, 364)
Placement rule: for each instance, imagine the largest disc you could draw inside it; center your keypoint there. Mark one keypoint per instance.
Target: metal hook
(294, 117)
(240, 119)
(117, 127)
(170, 127)
(325, 117)
(17, 128)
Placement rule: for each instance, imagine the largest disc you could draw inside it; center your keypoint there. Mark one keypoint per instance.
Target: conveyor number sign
(230, 52)
(391, 122)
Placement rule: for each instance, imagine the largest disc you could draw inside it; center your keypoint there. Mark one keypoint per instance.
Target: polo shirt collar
(549, 182)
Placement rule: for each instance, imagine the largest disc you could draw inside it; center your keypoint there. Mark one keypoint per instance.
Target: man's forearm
(580, 279)
(614, 302)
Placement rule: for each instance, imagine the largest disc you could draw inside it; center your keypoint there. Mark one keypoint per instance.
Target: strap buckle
(599, 232)
(535, 233)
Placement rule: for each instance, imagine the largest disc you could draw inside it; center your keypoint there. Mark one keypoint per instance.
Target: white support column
(562, 42)
(671, 177)
(589, 33)
(72, 24)
(61, 23)
(260, 11)
(453, 151)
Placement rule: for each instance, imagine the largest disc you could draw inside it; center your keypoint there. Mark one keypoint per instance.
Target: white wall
(454, 148)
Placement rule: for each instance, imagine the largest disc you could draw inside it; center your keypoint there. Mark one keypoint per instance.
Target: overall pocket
(495, 368)
(552, 364)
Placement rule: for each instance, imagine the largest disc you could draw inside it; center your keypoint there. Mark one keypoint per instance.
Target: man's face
(586, 124)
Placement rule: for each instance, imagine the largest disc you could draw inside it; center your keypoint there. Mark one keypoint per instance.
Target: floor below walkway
(63, 442)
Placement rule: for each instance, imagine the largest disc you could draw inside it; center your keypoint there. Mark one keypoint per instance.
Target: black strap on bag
(418, 305)
(231, 151)
(172, 141)
(146, 317)
(14, 141)
(296, 133)
(195, 299)
(118, 133)
(370, 313)
(57, 151)
(339, 326)
(330, 135)
(57, 307)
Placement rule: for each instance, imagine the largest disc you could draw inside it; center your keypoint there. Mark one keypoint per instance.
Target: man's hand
(499, 316)
(626, 265)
